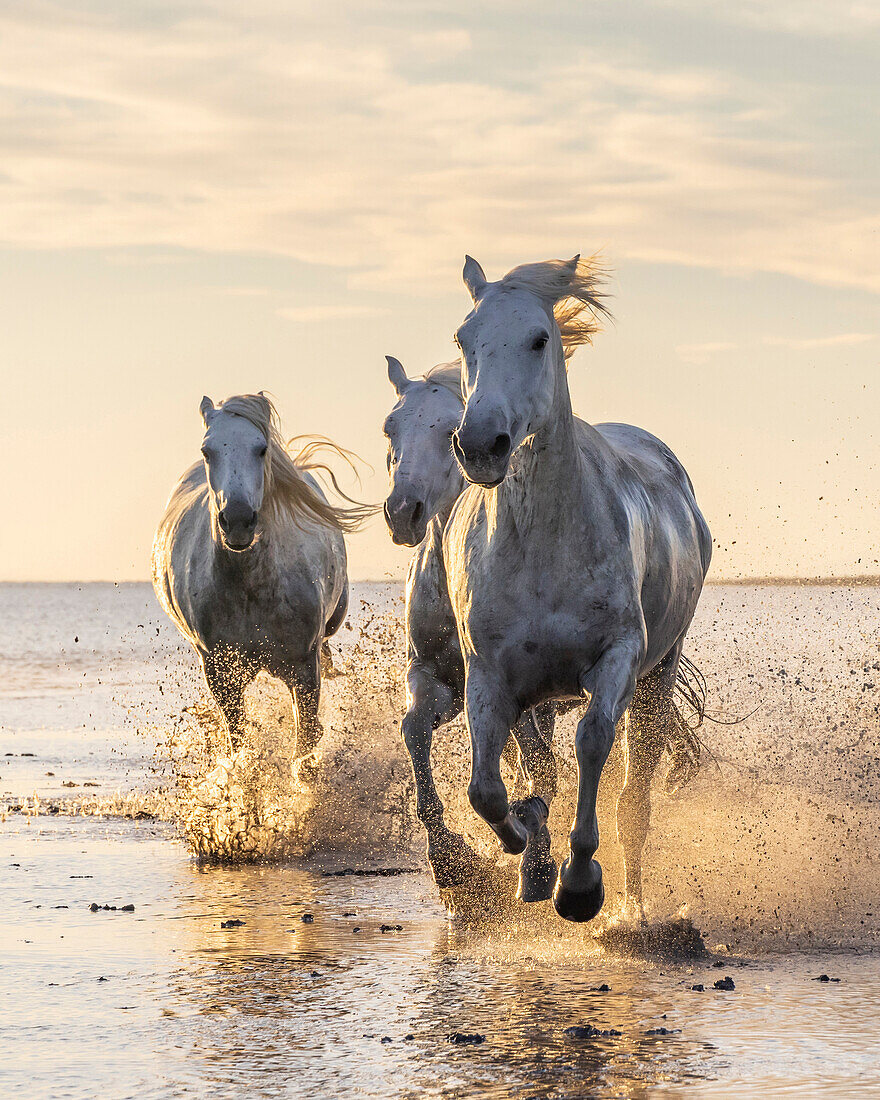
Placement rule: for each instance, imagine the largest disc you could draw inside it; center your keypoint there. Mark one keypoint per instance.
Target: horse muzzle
(406, 519)
(238, 528)
(483, 457)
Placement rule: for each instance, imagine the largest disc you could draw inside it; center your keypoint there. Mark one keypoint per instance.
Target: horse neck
(546, 471)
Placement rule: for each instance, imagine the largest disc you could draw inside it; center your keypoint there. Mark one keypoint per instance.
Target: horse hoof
(537, 870)
(579, 906)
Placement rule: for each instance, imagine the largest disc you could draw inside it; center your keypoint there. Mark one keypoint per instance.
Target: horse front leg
(227, 676)
(304, 681)
(579, 893)
(533, 733)
(490, 718)
(431, 702)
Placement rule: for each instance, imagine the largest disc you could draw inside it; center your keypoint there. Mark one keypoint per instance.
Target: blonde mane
(287, 491)
(577, 307)
(573, 288)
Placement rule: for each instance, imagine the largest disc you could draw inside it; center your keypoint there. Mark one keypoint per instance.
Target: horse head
(234, 451)
(425, 481)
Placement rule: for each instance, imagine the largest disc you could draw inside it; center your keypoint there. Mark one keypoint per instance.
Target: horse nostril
(417, 512)
(501, 447)
(222, 518)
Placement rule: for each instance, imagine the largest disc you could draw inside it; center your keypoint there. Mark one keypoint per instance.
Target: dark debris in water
(391, 928)
(370, 872)
(825, 978)
(95, 908)
(465, 1038)
(726, 983)
(663, 1031)
(588, 1031)
(233, 922)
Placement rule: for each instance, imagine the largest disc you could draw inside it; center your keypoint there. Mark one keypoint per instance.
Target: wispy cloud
(840, 339)
(387, 151)
(340, 312)
(702, 353)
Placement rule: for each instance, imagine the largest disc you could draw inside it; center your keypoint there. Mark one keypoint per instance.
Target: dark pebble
(128, 908)
(719, 963)
(94, 907)
(825, 978)
(349, 914)
(391, 928)
(466, 1037)
(233, 923)
(385, 1039)
(587, 1031)
(356, 928)
(408, 1038)
(725, 983)
(308, 918)
(102, 979)
(699, 988)
(603, 988)
(663, 1031)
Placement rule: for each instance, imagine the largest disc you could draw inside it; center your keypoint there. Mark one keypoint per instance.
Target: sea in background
(772, 852)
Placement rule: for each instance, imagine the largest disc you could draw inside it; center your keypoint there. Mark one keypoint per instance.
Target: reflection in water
(163, 1001)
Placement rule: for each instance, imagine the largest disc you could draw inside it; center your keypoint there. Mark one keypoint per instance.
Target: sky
(215, 197)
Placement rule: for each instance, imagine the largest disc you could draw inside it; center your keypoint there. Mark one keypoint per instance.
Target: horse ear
(206, 408)
(474, 278)
(572, 265)
(397, 375)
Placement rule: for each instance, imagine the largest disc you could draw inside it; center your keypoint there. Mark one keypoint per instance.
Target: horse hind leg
(649, 724)
(537, 869)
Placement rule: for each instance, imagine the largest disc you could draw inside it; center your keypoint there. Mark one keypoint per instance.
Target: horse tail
(687, 714)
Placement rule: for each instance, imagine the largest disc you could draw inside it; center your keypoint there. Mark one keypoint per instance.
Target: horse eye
(540, 342)
(262, 451)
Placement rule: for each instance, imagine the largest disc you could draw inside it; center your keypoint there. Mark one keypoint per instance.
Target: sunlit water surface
(773, 853)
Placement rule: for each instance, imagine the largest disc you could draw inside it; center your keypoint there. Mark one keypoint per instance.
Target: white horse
(574, 562)
(425, 482)
(249, 562)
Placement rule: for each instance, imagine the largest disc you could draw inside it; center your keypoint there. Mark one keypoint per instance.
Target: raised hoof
(452, 860)
(531, 816)
(579, 906)
(538, 870)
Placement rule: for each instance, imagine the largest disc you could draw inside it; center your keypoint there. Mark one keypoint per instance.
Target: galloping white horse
(574, 562)
(425, 483)
(249, 562)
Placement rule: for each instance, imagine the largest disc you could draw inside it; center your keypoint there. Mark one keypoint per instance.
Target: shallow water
(162, 1000)
(774, 854)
